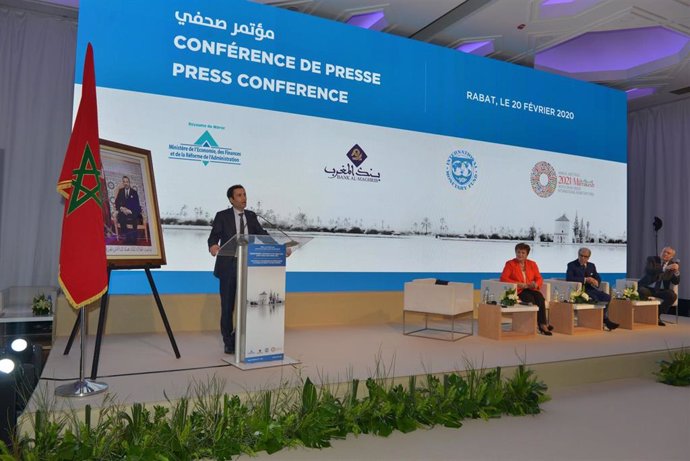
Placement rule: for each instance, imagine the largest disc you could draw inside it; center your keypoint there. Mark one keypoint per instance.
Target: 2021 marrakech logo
(543, 179)
(461, 169)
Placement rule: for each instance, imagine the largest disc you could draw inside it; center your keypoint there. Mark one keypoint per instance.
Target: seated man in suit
(660, 274)
(128, 210)
(585, 272)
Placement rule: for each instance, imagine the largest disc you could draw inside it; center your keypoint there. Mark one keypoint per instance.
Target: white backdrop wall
(36, 88)
(37, 57)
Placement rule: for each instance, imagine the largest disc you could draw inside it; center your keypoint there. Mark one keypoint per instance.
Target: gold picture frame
(131, 217)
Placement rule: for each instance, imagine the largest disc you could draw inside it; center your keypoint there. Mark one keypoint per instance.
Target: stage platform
(143, 368)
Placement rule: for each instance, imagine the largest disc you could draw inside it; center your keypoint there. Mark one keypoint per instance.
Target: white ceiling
(451, 22)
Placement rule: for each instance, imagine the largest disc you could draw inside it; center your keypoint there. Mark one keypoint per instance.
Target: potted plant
(509, 298)
(631, 294)
(580, 297)
(41, 305)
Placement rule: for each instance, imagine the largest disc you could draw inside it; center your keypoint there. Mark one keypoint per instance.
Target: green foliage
(675, 372)
(41, 305)
(214, 425)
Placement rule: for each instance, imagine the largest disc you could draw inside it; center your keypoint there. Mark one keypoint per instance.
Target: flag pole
(83, 273)
(83, 387)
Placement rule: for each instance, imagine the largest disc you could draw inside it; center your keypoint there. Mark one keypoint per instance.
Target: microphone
(289, 244)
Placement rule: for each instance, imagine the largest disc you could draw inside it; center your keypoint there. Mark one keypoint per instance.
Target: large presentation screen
(400, 158)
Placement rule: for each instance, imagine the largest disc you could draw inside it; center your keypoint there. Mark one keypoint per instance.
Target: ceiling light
(374, 20)
(479, 47)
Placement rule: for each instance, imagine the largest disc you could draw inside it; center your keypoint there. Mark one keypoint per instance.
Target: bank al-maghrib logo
(543, 179)
(205, 150)
(461, 169)
(353, 170)
(356, 155)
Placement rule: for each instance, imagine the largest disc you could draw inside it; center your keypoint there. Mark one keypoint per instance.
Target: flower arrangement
(580, 297)
(41, 305)
(631, 294)
(509, 298)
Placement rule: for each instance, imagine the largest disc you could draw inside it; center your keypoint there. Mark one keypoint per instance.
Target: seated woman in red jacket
(526, 274)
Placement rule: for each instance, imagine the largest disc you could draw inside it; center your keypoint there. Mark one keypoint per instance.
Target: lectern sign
(265, 302)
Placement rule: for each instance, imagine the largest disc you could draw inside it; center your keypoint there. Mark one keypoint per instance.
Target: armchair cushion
(423, 295)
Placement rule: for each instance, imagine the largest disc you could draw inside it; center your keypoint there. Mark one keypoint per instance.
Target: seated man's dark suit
(226, 266)
(130, 200)
(658, 282)
(576, 272)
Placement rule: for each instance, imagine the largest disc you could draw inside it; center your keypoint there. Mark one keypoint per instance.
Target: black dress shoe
(610, 325)
(661, 323)
(545, 331)
(550, 327)
(229, 349)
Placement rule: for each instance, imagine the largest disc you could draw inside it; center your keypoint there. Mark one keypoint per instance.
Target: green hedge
(214, 425)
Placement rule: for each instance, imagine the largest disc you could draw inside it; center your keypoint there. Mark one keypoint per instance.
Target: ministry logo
(543, 179)
(205, 150)
(461, 169)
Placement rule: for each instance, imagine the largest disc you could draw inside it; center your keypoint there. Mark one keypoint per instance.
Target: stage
(143, 368)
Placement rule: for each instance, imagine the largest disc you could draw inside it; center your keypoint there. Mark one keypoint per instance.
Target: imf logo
(461, 169)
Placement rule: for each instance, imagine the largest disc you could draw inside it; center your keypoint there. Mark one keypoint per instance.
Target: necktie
(657, 285)
(241, 223)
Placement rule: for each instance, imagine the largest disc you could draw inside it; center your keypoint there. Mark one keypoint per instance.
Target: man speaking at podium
(227, 224)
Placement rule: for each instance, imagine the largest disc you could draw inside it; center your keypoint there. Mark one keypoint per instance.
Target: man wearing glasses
(585, 272)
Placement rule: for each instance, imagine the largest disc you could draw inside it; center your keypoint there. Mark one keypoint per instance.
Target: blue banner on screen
(397, 156)
(262, 254)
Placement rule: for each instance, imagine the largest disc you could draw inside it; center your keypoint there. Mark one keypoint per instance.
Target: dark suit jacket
(132, 202)
(577, 273)
(224, 229)
(654, 271)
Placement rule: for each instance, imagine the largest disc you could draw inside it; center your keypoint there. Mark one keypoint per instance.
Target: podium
(260, 298)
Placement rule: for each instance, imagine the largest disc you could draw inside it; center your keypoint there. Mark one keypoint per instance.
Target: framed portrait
(132, 226)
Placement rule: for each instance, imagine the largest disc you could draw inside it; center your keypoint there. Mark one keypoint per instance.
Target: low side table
(634, 314)
(524, 321)
(590, 317)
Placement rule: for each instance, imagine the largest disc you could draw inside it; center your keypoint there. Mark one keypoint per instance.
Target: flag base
(83, 388)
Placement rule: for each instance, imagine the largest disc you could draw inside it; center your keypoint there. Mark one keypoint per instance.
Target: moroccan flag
(83, 272)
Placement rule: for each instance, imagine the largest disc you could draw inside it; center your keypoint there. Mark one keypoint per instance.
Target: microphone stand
(657, 224)
(289, 244)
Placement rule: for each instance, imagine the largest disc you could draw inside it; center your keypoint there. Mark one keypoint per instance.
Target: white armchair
(423, 296)
(564, 287)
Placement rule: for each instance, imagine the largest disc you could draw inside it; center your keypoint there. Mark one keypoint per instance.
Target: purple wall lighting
(479, 48)
(634, 93)
(376, 20)
(615, 54)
